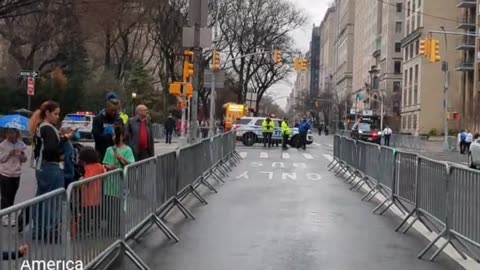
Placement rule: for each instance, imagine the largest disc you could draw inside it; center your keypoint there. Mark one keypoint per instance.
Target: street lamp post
(134, 96)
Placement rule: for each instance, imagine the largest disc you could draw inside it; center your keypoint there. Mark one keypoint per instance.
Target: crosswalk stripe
(285, 155)
(263, 155)
(243, 154)
(308, 156)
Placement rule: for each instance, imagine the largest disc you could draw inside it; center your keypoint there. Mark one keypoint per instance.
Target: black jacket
(48, 144)
(102, 141)
(170, 124)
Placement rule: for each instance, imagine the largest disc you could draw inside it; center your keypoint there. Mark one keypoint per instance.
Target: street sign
(198, 11)
(188, 35)
(30, 86)
(27, 73)
(219, 78)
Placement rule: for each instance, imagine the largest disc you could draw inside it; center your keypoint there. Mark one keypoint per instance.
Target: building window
(419, 3)
(417, 47)
(409, 122)
(398, 27)
(408, 9)
(403, 122)
(399, 7)
(419, 18)
(412, 50)
(410, 82)
(405, 56)
(397, 67)
(415, 87)
(397, 86)
(398, 46)
(404, 96)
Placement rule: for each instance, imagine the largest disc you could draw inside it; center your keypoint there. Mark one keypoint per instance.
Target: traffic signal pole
(193, 125)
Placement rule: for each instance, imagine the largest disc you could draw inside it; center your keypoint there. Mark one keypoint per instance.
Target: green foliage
(433, 132)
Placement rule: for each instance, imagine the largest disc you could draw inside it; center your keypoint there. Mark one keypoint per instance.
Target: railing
(441, 196)
(90, 223)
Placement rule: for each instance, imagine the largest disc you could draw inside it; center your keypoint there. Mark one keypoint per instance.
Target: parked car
(250, 131)
(365, 131)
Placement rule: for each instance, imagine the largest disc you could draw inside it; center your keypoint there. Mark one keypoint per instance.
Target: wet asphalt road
(285, 213)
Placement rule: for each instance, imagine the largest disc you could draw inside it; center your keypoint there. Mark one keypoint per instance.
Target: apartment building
(465, 65)
(377, 58)
(344, 47)
(327, 49)
(422, 88)
(315, 62)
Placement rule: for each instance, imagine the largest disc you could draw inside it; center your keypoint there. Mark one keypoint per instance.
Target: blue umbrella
(14, 121)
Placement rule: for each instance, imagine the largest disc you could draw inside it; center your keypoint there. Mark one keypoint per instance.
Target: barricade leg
(134, 257)
(444, 233)
(466, 247)
(405, 220)
(174, 203)
(203, 181)
(214, 175)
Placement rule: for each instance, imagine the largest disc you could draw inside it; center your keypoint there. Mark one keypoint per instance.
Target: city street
(28, 183)
(285, 211)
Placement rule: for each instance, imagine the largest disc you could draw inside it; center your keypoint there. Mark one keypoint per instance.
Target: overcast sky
(315, 10)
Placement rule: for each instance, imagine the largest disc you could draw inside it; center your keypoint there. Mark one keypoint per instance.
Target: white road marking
(285, 155)
(243, 175)
(469, 264)
(307, 156)
(299, 165)
(243, 154)
(281, 164)
(317, 144)
(270, 175)
(292, 175)
(329, 145)
(263, 155)
(314, 176)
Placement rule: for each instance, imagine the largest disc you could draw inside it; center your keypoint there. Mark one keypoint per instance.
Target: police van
(83, 121)
(250, 131)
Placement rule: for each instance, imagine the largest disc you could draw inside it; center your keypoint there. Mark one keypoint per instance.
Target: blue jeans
(47, 215)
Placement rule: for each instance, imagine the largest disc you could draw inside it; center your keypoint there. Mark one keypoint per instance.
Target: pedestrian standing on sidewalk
(140, 135)
(463, 137)
(48, 151)
(104, 123)
(387, 133)
(12, 157)
(286, 131)
(468, 141)
(169, 128)
(68, 158)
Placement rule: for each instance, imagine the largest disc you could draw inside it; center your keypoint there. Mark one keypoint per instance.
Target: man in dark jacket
(169, 128)
(103, 124)
(140, 134)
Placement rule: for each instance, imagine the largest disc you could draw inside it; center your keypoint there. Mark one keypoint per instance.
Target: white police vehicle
(83, 121)
(250, 131)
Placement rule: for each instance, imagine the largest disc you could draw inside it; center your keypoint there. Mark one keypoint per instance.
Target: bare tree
(251, 26)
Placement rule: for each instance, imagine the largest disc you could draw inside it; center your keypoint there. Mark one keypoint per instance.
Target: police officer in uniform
(268, 127)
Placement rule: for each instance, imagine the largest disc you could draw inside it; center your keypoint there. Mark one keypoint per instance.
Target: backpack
(78, 167)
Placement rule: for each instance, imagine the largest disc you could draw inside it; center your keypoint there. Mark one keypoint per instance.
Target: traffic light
(216, 60)
(188, 66)
(296, 64)
(188, 89)
(425, 47)
(176, 89)
(277, 58)
(435, 51)
(304, 65)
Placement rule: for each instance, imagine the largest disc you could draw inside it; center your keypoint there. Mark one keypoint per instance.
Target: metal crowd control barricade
(166, 185)
(464, 208)
(371, 169)
(97, 218)
(405, 179)
(40, 223)
(189, 170)
(386, 178)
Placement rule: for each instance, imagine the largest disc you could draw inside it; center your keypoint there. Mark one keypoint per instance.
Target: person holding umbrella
(12, 157)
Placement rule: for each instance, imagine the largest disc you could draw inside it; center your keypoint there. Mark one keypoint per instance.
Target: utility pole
(213, 92)
(193, 127)
(445, 95)
(381, 112)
